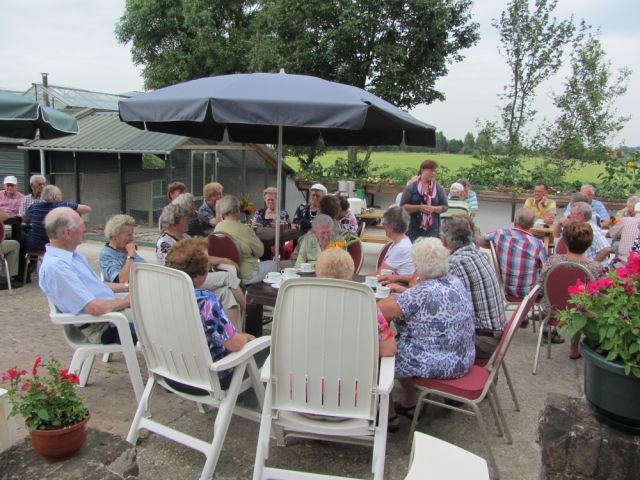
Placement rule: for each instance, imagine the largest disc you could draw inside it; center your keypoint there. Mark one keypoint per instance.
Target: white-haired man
(581, 212)
(69, 281)
(37, 183)
(599, 211)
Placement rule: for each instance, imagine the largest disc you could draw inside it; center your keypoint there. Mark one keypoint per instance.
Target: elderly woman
(337, 263)
(251, 248)
(266, 217)
(174, 189)
(578, 237)
(347, 222)
(174, 222)
(398, 256)
(188, 202)
(322, 234)
(425, 199)
(222, 335)
(120, 251)
(306, 212)
(435, 324)
(212, 192)
(629, 208)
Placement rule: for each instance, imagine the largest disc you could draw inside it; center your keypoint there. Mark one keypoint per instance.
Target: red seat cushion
(470, 386)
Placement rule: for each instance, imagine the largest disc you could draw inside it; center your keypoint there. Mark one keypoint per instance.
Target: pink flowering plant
(607, 313)
(45, 401)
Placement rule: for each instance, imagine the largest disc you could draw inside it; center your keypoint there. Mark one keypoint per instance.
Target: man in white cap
(306, 212)
(10, 197)
(457, 203)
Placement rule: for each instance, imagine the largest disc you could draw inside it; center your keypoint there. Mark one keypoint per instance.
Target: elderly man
(11, 250)
(599, 211)
(581, 212)
(68, 280)
(543, 209)
(473, 267)
(625, 232)
(470, 196)
(212, 192)
(10, 197)
(457, 203)
(37, 183)
(520, 254)
(37, 238)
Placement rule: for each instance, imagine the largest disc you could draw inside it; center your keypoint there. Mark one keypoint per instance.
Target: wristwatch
(130, 257)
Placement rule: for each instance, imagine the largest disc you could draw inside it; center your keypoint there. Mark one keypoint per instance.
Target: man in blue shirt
(69, 281)
(600, 213)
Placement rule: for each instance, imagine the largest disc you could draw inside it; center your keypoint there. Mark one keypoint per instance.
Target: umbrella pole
(279, 189)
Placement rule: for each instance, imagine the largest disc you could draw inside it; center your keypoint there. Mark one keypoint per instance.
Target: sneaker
(555, 337)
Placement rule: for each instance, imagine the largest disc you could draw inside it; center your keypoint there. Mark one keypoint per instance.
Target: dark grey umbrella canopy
(251, 107)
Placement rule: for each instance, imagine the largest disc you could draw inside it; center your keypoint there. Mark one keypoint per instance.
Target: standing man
(543, 209)
(470, 265)
(68, 280)
(10, 197)
(37, 183)
(520, 253)
(212, 192)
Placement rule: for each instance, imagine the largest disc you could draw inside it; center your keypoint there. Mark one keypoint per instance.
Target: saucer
(290, 277)
(275, 285)
(311, 270)
(270, 281)
(380, 297)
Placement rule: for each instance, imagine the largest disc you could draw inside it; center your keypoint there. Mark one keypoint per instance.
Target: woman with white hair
(435, 324)
(120, 251)
(322, 234)
(266, 217)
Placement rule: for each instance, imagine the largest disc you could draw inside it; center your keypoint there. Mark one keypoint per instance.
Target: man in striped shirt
(457, 203)
(520, 253)
(471, 197)
(37, 183)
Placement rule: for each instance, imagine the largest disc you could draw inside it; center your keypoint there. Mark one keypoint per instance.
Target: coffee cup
(386, 271)
(274, 276)
(371, 281)
(289, 272)
(382, 291)
(306, 267)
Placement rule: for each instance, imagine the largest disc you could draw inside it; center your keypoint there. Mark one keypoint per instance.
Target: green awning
(21, 117)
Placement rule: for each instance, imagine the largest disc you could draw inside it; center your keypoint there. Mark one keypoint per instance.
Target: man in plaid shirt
(520, 253)
(473, 267)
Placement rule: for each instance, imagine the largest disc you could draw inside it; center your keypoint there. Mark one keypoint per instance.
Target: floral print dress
(259, 218)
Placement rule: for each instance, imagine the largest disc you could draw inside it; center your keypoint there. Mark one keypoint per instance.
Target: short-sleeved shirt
(477, 274)
(217, 327)
(303, 217)
(37, 237)
(472, 199)
(164, 244)
(398, 257)
(520, 256)
(456, 207)
(436, 331)
(11, 205)
(549, 206)
(112, 261)
(599, 242)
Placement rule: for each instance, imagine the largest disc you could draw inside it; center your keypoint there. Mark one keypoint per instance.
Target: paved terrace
(27, 332)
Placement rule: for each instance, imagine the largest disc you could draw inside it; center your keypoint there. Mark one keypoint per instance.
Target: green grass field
(451, 160)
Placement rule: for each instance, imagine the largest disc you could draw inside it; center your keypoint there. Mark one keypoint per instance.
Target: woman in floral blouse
(347, 222)
(266, 217)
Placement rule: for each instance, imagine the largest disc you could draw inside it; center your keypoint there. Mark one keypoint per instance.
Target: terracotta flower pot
(59, 444)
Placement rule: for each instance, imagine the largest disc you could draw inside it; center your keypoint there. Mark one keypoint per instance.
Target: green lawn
(452, 161)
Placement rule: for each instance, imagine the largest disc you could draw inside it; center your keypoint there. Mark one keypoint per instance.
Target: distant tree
(469, 143)
(532, 43)
(455, 146)
(484, 143)
(441, 142)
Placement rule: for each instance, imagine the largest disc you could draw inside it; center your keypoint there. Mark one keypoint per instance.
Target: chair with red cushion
(556, 297)
(478, 383)
(561, 247)
(383, 253)
(4, 261)
(355, 250)
(221, 245)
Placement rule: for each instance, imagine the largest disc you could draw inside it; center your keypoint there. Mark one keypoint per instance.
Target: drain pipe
(45, 98)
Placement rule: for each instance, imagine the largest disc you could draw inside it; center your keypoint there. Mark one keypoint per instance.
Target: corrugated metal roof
(74, 97)
(104, 132)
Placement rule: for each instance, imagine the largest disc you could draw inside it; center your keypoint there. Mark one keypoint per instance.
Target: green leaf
(43, 414)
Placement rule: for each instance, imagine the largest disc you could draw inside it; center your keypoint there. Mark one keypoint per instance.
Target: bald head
(59, 219)
(524, 218)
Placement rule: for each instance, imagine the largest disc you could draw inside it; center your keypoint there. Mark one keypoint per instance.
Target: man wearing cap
(37, 183)
(10, 197)
(306, 212)
(625, 232)
(457, 203)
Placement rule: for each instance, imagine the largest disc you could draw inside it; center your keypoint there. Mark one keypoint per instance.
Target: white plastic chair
(8, 434)
(85, 351)
(173, 342)
(324, 361)
(432, 458)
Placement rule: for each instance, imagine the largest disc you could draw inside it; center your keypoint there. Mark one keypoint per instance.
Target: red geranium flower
(34, 370)
(577, 289)
(12, 374)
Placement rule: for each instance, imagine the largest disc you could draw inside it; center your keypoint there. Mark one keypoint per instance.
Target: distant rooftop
(67, 97)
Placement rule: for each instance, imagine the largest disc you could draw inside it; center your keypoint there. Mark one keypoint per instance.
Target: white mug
(371, 281)
(289, 272)
(306, 267)
(274, 276)
(382, 291)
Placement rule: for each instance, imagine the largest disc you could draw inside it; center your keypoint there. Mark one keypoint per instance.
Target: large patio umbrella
(22, 117)
(275, 108)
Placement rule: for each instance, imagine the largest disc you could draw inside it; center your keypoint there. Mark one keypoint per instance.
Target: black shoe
(555, 337)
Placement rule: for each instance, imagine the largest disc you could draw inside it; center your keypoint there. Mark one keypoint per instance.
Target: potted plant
(607, 313)
(52, 410)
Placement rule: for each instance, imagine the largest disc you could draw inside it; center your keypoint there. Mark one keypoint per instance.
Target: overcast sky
(73, 41)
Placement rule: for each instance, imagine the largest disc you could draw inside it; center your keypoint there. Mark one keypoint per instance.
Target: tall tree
(441, 142)
(532, 43)
(469, 143)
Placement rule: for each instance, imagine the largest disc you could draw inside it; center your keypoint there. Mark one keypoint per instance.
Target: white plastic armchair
(173, 343)
(85, 351)
(324, 363)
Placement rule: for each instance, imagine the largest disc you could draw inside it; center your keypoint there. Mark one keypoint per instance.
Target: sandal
(393, 424)
(404, 411)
